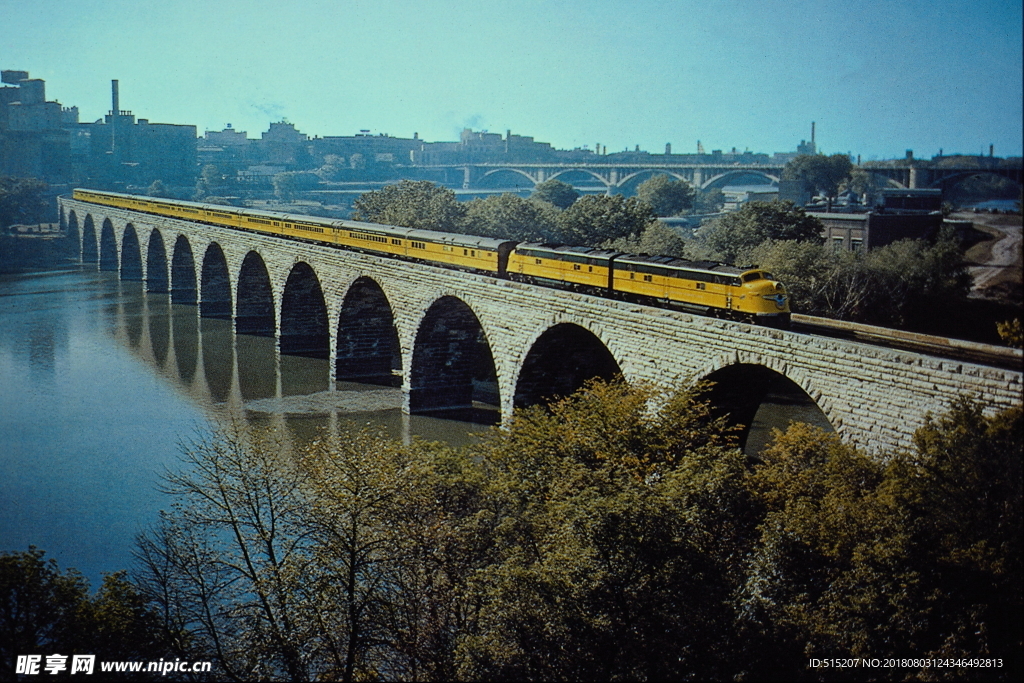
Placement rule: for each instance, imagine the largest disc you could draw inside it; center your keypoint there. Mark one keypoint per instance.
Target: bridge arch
(183, 273)
(254, 297)
(452, 362)
(74, 233)
(90, 250)
(492, 179)
(215, 285)
(722, 179)
(368, 348)
(157, 281)
(304, 326)
(108, 247)
(131, 254)
(578, 177)
(629, 183)
(559, 361)
(741, 386)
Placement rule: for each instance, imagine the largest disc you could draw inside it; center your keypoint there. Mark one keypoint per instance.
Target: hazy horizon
(877, 77)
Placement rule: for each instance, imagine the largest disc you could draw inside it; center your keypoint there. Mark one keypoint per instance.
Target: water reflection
(231, 376)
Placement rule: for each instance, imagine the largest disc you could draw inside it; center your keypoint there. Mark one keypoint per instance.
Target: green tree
(1011, 332)
(657, 238)
(561, 195)
(821, 173)
(43, 611)
(736, 232)
(666, 196)
(617, 522)
(904, 284)
(917, 551)
(709, 201)
(594, 219)
(508, 216)
(22, 200)
(412, 204)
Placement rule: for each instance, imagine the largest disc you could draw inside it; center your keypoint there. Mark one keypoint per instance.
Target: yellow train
(704, 287)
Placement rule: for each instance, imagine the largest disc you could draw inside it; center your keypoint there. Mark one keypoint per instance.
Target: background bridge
(453, 338)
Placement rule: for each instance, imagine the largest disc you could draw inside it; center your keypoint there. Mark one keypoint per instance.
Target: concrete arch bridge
(611, 178)
(452, 338)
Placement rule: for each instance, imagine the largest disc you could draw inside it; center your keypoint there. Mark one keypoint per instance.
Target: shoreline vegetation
(615, 534)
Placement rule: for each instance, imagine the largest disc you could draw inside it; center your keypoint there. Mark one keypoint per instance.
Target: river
(101, 382)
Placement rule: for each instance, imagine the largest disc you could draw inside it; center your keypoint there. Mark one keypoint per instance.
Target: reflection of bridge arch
(946, 182)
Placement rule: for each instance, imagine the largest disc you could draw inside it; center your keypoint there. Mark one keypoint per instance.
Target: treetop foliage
(617, 533)
(416, 204)
(22, 201)
(903, 284)
(821, 173)
(756, 222)
(667, 197)
(555, 192)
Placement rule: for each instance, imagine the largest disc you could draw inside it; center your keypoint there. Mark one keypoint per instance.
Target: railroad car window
(590, 269)
(394, 241)
(648, 278)
(446, 248)
(538, 261)
(473, 252)
(750, 277)
(576, 266)
(632, 276)
(465, 252)
(767, 276)
(277, 224)
(418, 245)
(701, 285)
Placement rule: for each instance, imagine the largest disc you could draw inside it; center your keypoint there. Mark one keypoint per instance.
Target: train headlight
(779, 299)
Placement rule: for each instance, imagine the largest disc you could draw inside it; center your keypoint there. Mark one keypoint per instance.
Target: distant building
(738, 195)
(866, 231)
(33, 142)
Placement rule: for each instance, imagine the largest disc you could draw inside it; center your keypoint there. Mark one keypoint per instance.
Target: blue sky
(878, 77)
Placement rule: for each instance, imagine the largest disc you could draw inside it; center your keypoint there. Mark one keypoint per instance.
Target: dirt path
(997, 265)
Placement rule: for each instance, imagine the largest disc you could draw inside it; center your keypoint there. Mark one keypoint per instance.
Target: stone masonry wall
(873, 396)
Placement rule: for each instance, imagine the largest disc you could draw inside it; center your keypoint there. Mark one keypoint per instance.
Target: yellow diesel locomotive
(703, 287)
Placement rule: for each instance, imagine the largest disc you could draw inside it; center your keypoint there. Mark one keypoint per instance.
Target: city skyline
(878, 78)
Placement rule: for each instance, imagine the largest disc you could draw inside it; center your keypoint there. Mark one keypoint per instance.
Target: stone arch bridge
(453, 337)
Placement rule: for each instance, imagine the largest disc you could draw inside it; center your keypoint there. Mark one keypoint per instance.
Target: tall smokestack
(115, 100)
(812, 132)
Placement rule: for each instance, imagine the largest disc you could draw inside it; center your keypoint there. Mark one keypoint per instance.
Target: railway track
(955, 349)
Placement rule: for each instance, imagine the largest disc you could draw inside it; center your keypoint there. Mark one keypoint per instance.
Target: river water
(100, 382)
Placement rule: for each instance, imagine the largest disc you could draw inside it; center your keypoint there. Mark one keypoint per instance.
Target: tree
(867, 557)
(22, 200)
(666, 196)
(594, 219)
(756, 222)
(657, 238)
(618, 520)
(43, 611)
(158, 189)
(507, 216)
(1011, 332)
(709, 201)
(412, 204)
(819, 172)
(555, 192)
(909, 283)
